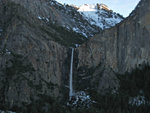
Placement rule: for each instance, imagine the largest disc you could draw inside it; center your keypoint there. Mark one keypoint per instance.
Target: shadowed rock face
(119, 49)
(31, 63)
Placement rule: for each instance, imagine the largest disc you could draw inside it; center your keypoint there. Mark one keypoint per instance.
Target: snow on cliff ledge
(100, 15)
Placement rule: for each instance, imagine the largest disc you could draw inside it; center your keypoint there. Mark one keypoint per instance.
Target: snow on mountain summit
(87, 7)
(100, 15)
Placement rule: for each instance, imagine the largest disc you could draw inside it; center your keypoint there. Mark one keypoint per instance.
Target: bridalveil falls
(70, 75)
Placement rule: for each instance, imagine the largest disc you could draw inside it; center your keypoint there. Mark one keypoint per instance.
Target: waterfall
(70, 75)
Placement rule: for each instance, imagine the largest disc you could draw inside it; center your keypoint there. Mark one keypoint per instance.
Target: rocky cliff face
(32, 64)
(119, 49)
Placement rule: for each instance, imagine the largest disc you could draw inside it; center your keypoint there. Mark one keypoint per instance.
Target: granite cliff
(33, 64)
(119, 49)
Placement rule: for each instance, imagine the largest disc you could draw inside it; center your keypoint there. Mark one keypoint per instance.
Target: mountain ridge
(63, 15)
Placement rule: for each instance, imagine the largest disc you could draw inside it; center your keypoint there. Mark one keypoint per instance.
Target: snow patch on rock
(138, 101)
(80, 99)
(6, 111)
(43, 18)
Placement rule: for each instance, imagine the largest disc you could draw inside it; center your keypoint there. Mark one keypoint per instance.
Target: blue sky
(124, 7)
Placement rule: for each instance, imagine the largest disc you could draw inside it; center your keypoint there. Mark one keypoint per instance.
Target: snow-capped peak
(100, 15)
(93, 7)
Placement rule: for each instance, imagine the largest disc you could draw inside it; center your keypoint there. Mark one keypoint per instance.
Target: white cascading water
(70, 81)
(80, 98)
